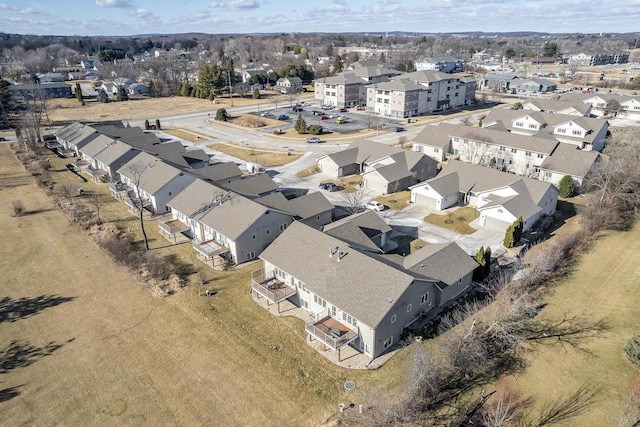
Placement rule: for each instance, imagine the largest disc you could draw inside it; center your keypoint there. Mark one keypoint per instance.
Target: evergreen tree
(222, 115)
(301, 125)
(487, 262)
(566, 186)
(122, 94)
(152, 89)
(256, 94)
(79, 94)
(147, 126)
(102, 96)
(158, 124)
(478, 273)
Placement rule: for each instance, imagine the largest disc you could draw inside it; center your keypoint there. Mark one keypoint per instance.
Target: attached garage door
(496, 224)
(426, 201)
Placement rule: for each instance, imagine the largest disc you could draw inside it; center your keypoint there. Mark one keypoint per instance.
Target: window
(253, 237)
(520, 124)
(527, 153)
(502, 149)
(532, 126)
(393, 318)
(560, 130)
(577, 132)
(424, 298)
(388, 342)
(283, 227)
(319, 301)
(547, 174)
(540, 156)
(513, 150)
(333, 310)
(268, 231)
(436, 150)
(409, 307)
(251, 255)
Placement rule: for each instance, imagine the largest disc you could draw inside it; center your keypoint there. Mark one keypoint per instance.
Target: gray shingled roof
(302, 207)
(399, 85)
(155, 173)
(346, 78)
(548, 105)
(358, 284)
(252, 186)
(479, 179)
(427, 76)
(518, 205)
(550, 120)
(358, 229)
(445, 262)
(219, 172)
(570, 160)
(116, 150)
(345, 157)
(194, 197)
(435, 136)
(96, 145)
(444, 184)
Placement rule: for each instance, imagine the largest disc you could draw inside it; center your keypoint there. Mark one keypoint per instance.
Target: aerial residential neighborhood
(228, 214)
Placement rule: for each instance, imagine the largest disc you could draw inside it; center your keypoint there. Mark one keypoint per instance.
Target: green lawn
(457, 220)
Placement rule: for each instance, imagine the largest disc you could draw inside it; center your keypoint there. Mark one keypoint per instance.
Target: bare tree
(503, 409)
(67, 190)
(353, 201)
(275, 98)
(97, 202)
(627, 409)
(137, 171)
(475, 149)
(17, 207)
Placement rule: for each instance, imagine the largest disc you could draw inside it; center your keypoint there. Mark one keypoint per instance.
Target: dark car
(297, 109)
(2, 139)
(316, 113)
(329, 186)
(399, 129)
(283, 117)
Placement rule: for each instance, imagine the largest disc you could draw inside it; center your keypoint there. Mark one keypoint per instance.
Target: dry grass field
(457, 220)
(603, 285)
(265, 158)
(396, 201)
(84, 343)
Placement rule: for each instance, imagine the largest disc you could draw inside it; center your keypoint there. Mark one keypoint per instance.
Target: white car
(374, 206)
(334, 116)
(265, 114)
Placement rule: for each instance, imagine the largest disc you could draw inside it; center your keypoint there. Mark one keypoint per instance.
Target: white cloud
(141, 13)
(236, 4)
(19, 9)
(114, 3)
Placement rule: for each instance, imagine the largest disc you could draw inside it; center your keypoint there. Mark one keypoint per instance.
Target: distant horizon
(140, 18)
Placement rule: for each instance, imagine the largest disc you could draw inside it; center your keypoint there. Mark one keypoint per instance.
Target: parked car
(399, 129)
(324, 117)
(265, 114)
(327, 107)
(297, 109)
(342, 110)
(329, 186)
(2, 139)
(341, 120)
(283, 117)
(313, 140)
(334, 116)
(316, 113)
(374, 206)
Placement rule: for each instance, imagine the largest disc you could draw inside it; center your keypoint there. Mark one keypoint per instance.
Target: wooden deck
(270, 287)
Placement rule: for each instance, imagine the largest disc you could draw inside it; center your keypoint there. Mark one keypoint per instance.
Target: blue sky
(130, 17)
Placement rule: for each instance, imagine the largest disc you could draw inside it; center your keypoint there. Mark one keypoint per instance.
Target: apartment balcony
(270, 287)
(97, 174)
(208, 251)
(173, 229)
(330, 331)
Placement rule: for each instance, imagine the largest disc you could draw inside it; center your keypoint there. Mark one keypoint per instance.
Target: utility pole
(230, 88)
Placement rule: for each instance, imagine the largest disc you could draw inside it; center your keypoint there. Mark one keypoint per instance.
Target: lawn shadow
(8, 180)
(181, 268)
(12, 309)
(37, 211)
(20, 354)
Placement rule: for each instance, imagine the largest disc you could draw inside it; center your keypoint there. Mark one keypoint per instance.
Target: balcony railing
(172, 227)
(333, 333)
(270, 287)
(209, 249)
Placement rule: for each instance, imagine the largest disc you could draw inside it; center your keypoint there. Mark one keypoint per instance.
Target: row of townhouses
(341, 273)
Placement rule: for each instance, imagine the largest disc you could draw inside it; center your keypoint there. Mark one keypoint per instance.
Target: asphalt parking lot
(356, 120)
